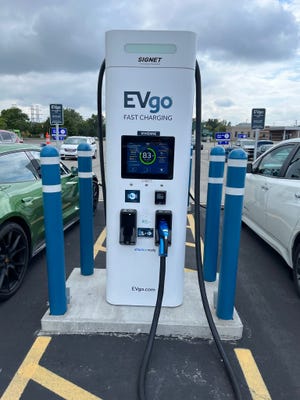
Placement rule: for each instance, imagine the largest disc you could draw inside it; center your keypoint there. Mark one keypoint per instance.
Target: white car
(272, 201)
(69, 146)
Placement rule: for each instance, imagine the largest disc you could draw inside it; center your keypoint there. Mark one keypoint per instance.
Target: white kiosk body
(150, 85)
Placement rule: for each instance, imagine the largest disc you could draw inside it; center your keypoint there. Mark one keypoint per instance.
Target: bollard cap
(238, 154)
(84, 147)
(217, 151)
(49, 151)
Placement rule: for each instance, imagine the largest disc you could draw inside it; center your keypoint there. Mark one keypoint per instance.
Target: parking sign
(258, 118)
(56, 114)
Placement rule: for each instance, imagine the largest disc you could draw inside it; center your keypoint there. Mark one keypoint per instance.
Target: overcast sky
(248, 52)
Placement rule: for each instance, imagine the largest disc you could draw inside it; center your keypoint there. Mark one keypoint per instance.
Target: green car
(22, 230)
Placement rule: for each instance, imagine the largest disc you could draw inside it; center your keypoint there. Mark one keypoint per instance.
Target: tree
(14, 118)
(74, 123)
(214, 125)
(2, 123)
(91, 125)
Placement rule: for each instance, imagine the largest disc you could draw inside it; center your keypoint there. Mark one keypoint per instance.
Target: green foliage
(14, 118)
(211, 126)
(2, 123)
(214, 125)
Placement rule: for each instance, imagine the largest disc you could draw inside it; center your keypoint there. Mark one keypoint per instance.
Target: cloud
(69, 36)
(247, 51)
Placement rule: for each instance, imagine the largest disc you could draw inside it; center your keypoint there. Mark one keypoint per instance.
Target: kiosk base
(88, 312)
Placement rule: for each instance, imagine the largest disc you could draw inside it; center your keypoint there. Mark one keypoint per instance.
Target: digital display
(147, 157)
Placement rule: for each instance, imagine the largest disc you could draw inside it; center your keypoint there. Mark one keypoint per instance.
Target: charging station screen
(147, 157)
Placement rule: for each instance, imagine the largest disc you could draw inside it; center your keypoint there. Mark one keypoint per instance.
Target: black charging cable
(163, 232)
(212, 326)
(101, 135)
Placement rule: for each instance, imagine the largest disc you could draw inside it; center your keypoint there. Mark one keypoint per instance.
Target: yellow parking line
(61, 386)
(27, 369)
(190, 244)
(252, 375)
(191, 224)
(31, 370)
(98, 246)
(192, 228)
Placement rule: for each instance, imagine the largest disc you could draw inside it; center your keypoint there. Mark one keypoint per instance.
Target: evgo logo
(155, 103)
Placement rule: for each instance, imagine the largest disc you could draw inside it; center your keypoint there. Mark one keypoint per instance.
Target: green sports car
(22, 230)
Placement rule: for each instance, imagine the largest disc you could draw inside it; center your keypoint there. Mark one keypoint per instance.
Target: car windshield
(74, 140)
(248, 143)
(6, 136)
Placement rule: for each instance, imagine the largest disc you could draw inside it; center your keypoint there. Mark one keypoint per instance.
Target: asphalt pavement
(106, 366)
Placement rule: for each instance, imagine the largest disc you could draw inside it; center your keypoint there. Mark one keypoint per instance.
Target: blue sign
(223, 135)
(242, 135)
(223, 141)
(61, 131)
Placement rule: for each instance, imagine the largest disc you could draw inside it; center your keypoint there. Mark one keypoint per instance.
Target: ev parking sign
(56, 114)
(258, 118)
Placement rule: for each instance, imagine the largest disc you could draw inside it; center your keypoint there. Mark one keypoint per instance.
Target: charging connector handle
(163, 231)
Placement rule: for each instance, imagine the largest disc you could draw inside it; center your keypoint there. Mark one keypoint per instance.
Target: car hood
(69, 146)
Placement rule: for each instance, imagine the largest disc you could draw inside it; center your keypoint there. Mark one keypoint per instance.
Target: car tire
(14, 258)
(95, 195)
(296, 269)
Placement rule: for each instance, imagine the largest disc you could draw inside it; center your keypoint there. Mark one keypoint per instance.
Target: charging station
(150, 86)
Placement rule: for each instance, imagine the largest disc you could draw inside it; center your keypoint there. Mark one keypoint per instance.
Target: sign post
(56, 118)
(257, 122)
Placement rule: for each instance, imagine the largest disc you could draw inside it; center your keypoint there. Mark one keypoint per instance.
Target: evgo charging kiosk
(150, 85)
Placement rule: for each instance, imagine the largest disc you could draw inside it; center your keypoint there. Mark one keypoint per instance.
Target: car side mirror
(249, 168)
(74, 171)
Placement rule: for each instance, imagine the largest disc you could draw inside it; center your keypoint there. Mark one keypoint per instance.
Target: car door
(70, 194)
(254, 199)
(283, 202)
(69, 190)
(20, 181)
(263, 181)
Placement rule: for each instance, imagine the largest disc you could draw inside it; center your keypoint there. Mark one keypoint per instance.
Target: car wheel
(95, 154)
(296, 269)
(14, 258)
(95, 195)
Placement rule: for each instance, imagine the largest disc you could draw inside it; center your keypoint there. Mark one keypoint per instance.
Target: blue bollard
(85, 175)
(212, 224)
(52, 199)
(234, 195)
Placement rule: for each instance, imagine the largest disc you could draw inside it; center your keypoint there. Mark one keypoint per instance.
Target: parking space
(106, 366)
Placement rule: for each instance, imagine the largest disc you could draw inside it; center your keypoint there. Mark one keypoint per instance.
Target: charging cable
(163, 231)
(228, 368)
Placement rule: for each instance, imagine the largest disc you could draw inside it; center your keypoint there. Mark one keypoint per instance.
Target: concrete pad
(89, 313)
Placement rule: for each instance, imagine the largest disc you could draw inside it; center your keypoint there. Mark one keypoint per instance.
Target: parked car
(22, 231)
(272, 201)
(262, 149)
(8, 137)
(69, 146)
(246, 144)
(263, 142)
